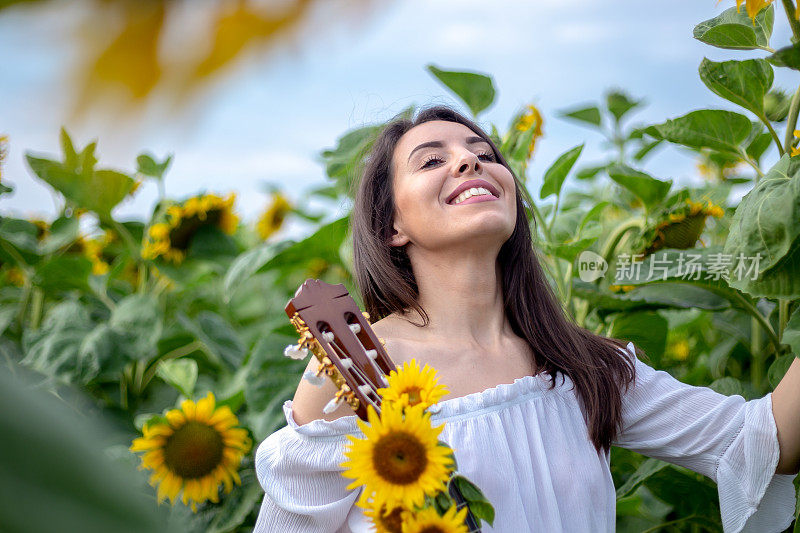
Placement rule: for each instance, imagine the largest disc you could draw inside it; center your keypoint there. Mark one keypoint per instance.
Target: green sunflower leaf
(745, 83)
(650, 190)
(732, 29)
(765, 230)
(78, 180)
(619, 104)
(646, 329)
(589, 115)
(791, 335)
(555, 175)
(180, 373)
(720, 130)
(474, 89)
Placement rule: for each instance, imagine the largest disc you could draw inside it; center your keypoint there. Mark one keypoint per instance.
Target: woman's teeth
(469, 193)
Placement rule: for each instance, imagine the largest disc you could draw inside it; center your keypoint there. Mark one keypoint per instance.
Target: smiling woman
(458, 286)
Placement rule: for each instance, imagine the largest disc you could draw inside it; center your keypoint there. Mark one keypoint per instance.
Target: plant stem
(150, 373)
(547, 236)
(123, 390)
(23, 305)
(791, 121)
(615, 238)
(757, 365)
(788, 7)
(774, 134)
(746, 159)
(568, 281)
(555, 212)
(133, 248)
(783, 316)
(755, 313)
(36, 309)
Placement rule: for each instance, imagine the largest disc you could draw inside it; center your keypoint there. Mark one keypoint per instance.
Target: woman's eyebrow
(440, 144)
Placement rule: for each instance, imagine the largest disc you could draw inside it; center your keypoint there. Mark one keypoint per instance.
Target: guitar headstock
(339, 335)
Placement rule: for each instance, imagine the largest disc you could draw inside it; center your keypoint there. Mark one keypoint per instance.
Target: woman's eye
(428, 161)
(487, 157)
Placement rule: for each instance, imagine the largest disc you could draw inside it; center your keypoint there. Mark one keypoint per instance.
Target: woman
(535, 401)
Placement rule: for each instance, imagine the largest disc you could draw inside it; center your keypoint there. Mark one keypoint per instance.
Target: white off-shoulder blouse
(528, 449)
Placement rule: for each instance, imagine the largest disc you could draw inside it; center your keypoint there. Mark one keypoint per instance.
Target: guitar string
(358, 371)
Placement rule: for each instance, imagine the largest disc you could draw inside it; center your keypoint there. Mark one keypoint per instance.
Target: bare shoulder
(309, 400)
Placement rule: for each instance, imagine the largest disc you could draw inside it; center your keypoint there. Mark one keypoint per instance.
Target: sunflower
(679, 227)
(170, 239)
(531, 118)
(386, 522)
(716, 167)
(195, 450)
(272, 219)
(400, 461)
(409, 386)
(429, 521)
(93, 250)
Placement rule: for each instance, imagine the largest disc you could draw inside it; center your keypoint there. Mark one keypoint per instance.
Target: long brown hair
(387, 285)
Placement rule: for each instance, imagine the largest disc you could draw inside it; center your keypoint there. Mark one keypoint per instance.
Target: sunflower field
(151, 350)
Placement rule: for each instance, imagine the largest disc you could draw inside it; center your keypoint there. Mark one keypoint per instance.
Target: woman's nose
(468, 161)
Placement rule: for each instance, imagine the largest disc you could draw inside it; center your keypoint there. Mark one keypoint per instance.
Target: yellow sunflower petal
(189, 409)
(176, 418)
(205, 408)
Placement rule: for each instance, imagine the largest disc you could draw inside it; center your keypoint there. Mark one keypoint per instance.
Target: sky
(269, 117)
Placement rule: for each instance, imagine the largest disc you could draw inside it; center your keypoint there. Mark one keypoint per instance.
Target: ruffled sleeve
(298, 468)
(732, 441)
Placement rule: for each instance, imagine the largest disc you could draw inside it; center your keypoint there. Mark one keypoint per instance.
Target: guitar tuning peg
(313, 378)
(372, 354)
(365, 389)
(355, 328)
(292, 351)
(328, 336)
(332, 405)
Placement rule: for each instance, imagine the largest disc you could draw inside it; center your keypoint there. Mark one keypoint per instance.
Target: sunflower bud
(776, 105)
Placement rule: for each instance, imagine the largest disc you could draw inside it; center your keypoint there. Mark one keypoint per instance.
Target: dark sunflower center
(432, 529)
(181, 237)
(399, 458)
(392, 522)
(413, 395)
(193, 450)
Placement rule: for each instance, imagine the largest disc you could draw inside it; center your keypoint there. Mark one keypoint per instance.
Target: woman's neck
(462, 295)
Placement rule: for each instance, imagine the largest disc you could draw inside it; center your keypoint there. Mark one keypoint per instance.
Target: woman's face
(431, 163)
